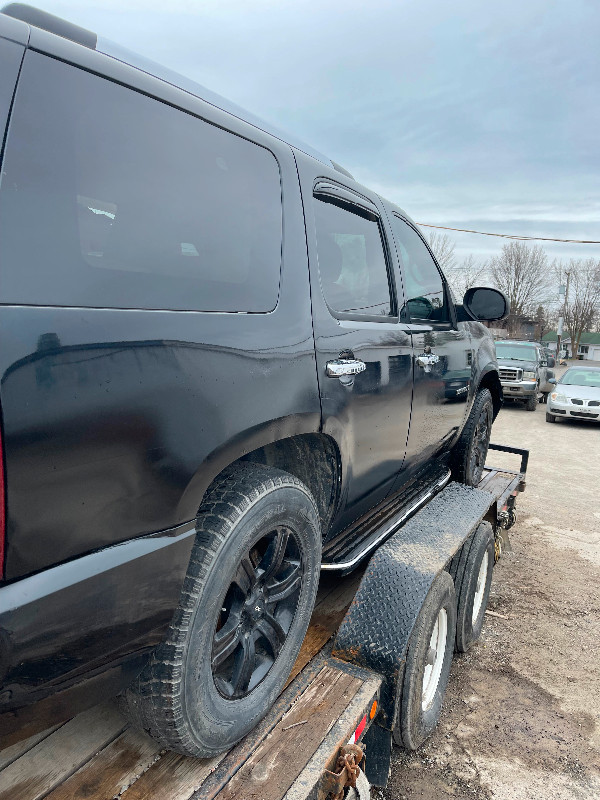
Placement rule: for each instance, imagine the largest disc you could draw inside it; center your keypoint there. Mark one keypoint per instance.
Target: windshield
(581, 377)
(518, 352)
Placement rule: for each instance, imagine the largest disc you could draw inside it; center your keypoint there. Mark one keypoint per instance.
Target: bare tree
(583, 303)
(443, 250)
(467, 274)
(521, 272)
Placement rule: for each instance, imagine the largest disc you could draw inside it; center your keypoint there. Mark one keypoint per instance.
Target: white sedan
(577, 394)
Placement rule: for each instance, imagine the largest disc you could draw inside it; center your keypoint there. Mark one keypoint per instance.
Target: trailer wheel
(428, 662)
(470, 452)
(244, 609)
(472, 583)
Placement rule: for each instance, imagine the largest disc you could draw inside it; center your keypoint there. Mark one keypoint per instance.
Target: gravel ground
(521, 719)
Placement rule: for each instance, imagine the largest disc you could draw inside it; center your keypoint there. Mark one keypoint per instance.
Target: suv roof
(37, 18)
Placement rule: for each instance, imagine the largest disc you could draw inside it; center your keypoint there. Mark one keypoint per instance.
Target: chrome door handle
(427, 360)
(345, 366)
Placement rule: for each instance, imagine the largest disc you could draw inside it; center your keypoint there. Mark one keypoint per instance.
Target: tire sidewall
(467, 630)
(288, 506)
(415, 724)
(483, 402)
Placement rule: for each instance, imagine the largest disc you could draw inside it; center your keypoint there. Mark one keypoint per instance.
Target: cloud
(462, 112)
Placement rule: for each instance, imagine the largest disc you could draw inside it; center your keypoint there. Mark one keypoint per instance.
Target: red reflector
(361, 726)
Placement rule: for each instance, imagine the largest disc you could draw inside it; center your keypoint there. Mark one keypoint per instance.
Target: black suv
(224, 364)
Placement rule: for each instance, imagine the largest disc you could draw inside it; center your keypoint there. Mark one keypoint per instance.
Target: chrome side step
(390, 526)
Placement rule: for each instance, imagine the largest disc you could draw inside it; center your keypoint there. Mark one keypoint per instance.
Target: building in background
(589, 345)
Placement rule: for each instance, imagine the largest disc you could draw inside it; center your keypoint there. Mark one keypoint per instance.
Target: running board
(344, 555)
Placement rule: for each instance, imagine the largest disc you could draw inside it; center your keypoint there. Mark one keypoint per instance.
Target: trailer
(329, 735)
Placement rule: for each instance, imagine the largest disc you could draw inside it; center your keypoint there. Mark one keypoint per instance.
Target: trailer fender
(376, 630)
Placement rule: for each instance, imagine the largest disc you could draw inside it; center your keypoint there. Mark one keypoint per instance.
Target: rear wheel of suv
(470, 452)
(244, 609)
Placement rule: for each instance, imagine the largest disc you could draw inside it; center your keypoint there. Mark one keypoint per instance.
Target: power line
(510, 236)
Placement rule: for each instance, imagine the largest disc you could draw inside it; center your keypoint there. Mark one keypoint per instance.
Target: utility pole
(560, 319)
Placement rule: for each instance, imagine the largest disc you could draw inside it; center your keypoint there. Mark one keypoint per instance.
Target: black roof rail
(48, 22)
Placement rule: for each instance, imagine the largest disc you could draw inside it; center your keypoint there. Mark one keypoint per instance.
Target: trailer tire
(472, 583)
(255, 522)
(424, 683)
(469, 454)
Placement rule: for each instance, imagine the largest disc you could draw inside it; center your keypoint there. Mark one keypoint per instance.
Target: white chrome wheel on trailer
(435, 659)
(480, 588)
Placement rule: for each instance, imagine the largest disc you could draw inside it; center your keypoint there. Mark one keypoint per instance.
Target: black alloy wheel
(244, 609)
(257, 613)
(470, 451)
(481, 440)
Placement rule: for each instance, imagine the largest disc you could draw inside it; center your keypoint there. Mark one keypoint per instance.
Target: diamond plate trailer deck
(98, 756)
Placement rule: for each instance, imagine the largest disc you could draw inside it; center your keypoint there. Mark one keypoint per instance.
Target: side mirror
(551, 362)
(482, 303)
(553, 381)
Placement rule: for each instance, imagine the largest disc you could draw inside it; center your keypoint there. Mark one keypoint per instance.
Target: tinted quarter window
(352, 262)
(423, 284)
(112, 199)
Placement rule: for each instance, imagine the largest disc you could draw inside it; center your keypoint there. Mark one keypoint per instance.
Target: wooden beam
(58, 756)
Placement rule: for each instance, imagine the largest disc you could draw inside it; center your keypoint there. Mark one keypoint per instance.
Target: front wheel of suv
(244, 609)
(531, 403)
(470, 452)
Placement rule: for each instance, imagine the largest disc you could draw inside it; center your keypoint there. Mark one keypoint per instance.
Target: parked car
(577, 394)
(219, 355)
(525, 372)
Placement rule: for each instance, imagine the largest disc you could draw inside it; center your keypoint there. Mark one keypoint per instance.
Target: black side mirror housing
(482, 303)
(553, 381)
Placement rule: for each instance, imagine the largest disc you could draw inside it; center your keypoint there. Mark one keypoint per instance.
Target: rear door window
(112, 199)
(352, 262)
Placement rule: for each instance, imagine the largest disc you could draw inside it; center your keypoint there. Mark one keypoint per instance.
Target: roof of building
(586, 338)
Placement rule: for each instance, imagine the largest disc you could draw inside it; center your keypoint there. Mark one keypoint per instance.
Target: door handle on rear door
(345, 366)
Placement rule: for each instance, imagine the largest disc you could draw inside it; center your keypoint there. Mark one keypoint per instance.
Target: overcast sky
(466, 113)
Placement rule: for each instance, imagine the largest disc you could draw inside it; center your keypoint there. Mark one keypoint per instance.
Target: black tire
(531, 403)
(472, 587)
(550, 417)
(248, 597)
(414, 722)
(469, 454)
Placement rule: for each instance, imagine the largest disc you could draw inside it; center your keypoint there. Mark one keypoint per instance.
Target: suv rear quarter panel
(116, 420)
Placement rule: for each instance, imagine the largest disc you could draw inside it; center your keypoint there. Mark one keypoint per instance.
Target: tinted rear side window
(112, 199)
(352, 261)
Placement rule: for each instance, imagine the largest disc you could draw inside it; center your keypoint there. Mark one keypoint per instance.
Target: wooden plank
(173, 777)
(57, 756)
(330, 613)
(488, 475)
(112, 770)
(498, 483)
(10, 754)
(277, 762)
(316, 637)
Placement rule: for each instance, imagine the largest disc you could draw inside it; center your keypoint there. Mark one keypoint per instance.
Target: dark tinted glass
(110, 198)
(423, 285)
(352, 263)
(486, 303)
